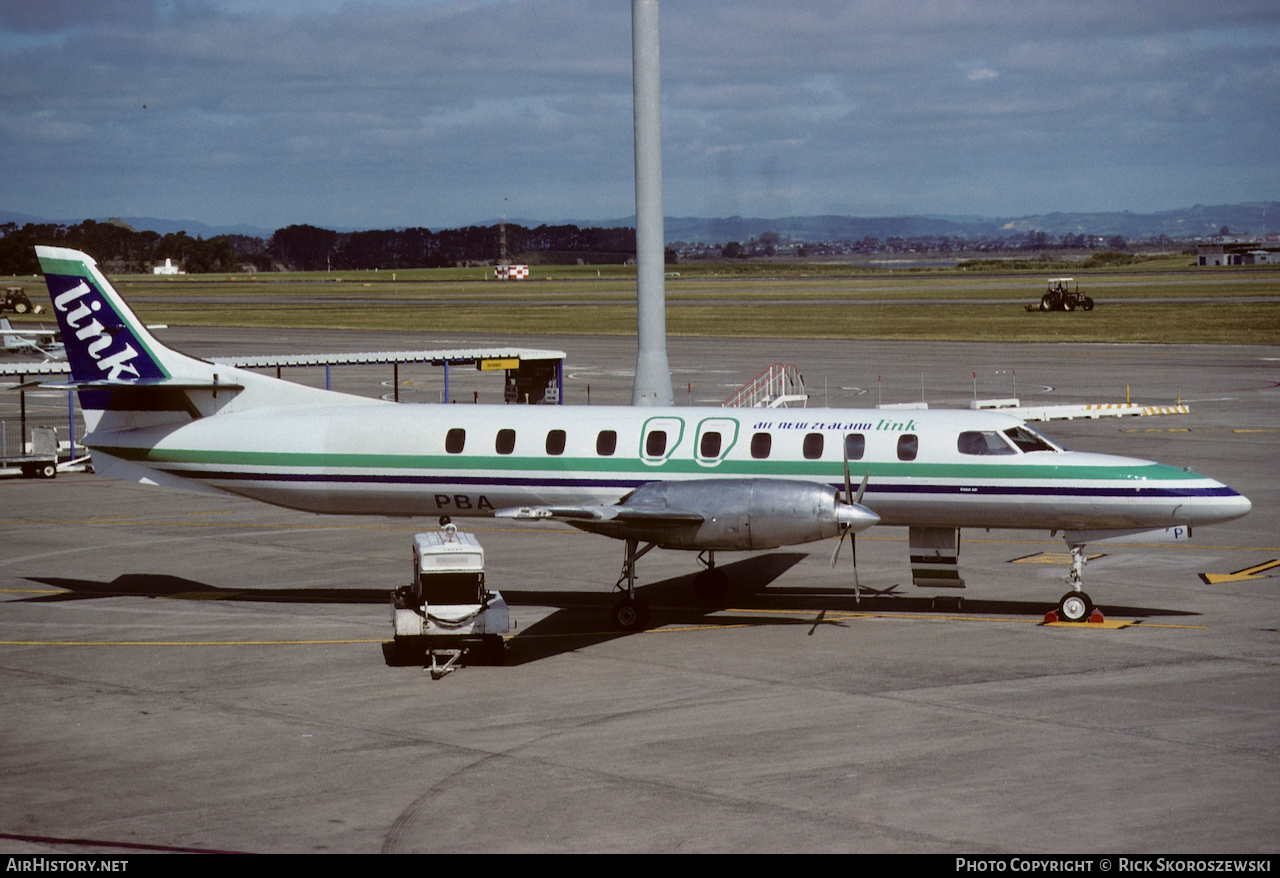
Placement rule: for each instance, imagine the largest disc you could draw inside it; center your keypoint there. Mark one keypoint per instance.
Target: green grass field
(739, 300)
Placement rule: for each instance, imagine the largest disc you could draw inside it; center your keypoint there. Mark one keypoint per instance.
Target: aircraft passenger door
(716, 436)
(659, 437)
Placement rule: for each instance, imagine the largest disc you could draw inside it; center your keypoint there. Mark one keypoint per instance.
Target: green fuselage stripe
(986, 472)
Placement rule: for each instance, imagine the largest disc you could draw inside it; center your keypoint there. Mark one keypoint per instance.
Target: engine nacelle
(741, 514)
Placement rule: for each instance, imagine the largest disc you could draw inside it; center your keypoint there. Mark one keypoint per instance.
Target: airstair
(778, 386)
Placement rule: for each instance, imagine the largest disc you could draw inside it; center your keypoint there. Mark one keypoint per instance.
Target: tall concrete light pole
(653, 374)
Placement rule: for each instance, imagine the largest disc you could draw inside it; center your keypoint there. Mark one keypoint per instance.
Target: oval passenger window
(506, 442)
(656, 443)
(813, 446)
(710, 445)
(555, 442)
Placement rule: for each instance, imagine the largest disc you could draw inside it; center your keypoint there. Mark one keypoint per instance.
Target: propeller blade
(862, 489)
(840, 542)
(857, 589)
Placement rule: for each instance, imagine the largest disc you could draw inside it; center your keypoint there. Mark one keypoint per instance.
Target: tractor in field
(15, 300)
(1063, 296)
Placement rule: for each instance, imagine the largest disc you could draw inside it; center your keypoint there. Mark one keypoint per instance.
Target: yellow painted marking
(842, 616)
(1122, 623)
(564, 530)
(1110, 624)
(1050, 558)
(680, 629)
(1244, 575)
(199, 595)
(1255, 431)
(186, 642)
(131, 522)
(32, 591)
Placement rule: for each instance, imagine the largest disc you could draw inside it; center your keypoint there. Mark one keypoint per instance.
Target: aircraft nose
(1238, 506)
(1222, 505)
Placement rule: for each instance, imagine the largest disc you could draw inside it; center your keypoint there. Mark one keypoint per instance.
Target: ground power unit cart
(445, 612)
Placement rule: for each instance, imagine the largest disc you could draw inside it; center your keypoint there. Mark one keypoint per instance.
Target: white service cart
(446, 611)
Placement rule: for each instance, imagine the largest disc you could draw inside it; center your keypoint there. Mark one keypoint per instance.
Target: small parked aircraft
(44, 342)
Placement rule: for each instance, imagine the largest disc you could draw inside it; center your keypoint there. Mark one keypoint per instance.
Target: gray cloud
(374, 114)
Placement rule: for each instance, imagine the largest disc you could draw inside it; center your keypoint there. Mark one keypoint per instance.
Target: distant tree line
(120, 249)
(116, 247)
(770, 244)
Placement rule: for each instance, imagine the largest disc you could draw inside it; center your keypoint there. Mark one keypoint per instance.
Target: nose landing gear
(1075, 605)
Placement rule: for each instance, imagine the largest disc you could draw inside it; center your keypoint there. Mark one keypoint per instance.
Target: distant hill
(193, 228)
(1199, 220)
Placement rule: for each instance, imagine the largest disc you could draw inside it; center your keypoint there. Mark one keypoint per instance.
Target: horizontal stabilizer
(167, 383)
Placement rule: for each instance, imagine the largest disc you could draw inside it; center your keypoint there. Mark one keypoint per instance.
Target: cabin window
(1028, 439)
(506, 442)
(855, 445)
(555, 442)
(813, 446)
(606, 442)
(982, 442)
(454, 440)
(761, 445)
(710, 444)
(655, 444)
(908, 446)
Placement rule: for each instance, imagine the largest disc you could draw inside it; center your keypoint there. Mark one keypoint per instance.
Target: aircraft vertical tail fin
(105, 340)
(126, 378)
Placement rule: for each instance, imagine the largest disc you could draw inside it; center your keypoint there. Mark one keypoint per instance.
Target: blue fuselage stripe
(627, 484)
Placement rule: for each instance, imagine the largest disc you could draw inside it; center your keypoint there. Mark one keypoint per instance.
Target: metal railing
(15, 434)
(778, 385)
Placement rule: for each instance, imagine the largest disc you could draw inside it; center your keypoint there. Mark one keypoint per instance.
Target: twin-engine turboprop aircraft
(703, 479)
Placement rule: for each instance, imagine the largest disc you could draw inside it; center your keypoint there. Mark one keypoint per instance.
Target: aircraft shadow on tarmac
(160, 585)
(581, 618)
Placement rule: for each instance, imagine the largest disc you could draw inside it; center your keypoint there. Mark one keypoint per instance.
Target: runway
(187, 671)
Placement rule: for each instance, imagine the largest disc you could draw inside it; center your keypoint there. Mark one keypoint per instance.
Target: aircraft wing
(634, 515)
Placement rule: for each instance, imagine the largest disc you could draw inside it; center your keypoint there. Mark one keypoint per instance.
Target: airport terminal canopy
(531, 374)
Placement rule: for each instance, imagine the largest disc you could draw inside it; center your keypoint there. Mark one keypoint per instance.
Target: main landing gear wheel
(710, 585)
(1075, 606)
(630, 614)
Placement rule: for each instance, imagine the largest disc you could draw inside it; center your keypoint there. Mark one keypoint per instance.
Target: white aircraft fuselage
(371, 457)
(705, 479)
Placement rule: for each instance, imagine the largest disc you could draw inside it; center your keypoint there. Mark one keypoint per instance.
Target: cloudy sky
(446, 112)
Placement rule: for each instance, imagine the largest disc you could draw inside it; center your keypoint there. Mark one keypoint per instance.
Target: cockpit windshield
(982, 442)
(1029, 440)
